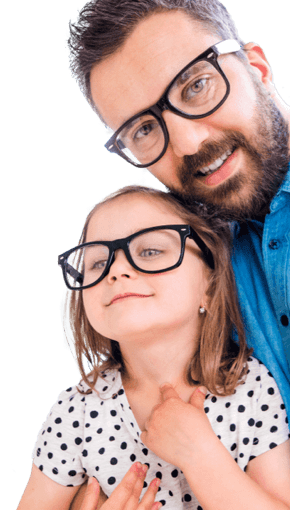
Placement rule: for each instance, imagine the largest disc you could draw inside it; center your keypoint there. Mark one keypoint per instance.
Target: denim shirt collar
(280, 196)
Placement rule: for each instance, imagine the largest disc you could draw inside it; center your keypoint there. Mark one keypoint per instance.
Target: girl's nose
(120, 268)
(185, 135)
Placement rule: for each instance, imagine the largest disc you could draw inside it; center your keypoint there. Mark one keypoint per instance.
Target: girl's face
(128, 305)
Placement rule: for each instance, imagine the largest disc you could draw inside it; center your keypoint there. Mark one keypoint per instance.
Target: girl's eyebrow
(131, 232)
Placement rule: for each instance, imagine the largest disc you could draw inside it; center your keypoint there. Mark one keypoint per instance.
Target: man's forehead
(134, 77)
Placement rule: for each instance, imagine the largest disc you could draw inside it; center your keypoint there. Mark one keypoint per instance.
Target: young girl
(152, 308)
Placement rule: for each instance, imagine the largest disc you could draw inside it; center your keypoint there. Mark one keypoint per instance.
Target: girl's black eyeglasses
(152, 250)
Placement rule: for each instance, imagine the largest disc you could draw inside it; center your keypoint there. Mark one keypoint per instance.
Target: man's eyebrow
(199, 66)
(131, 123)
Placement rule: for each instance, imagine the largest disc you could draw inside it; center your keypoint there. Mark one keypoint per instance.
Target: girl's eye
(98, 265)
(149, 252)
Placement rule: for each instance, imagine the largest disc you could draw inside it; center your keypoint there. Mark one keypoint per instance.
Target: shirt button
(284, 320)
(274, 244)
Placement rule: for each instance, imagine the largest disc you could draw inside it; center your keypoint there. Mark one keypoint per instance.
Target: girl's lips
(223, 172)
(119, 297)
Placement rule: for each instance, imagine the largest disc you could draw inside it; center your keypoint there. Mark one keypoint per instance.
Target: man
(189, 101)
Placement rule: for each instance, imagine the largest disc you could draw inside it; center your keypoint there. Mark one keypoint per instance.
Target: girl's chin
(126, 336)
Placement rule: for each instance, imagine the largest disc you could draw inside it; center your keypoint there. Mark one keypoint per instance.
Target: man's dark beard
(269, 156)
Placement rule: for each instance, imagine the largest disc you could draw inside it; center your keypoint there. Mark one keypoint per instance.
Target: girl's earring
(202, 309)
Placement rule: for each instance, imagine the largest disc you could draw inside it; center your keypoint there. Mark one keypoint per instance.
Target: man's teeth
(214, 166)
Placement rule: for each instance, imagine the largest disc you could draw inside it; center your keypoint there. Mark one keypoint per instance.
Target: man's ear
(258, 61)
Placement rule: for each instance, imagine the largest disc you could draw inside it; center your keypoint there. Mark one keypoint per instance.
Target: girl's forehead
(130, 213)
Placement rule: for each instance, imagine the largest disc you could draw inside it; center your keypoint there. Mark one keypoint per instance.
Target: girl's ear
(203, 305)
(258, 61)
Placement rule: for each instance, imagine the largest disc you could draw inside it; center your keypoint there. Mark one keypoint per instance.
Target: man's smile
(219, 170)
(207, 170)
(222, 172)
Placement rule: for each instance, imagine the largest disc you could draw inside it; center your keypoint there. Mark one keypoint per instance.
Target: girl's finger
(91, 495)
(149, 496)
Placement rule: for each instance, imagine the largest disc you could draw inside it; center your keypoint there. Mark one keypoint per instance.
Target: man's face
(247, 129)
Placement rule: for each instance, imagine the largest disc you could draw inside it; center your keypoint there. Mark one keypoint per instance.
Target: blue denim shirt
(261, 262)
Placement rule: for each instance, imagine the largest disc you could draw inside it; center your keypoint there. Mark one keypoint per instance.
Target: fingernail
(155, 483)
(202, 390)
(144, 468)
(157, 506)
(90, 480)
(136, 467)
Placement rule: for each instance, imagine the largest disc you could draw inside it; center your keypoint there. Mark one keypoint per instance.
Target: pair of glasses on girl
(151, 250)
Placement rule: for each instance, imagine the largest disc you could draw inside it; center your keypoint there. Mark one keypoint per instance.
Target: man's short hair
(104, 25)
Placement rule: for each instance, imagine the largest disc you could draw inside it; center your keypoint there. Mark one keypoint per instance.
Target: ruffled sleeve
(58, 450)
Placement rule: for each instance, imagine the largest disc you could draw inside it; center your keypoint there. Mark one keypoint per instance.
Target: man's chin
(245, 195)
(231, 200)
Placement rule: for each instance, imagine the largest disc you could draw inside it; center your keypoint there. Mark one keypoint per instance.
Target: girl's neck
(152, 362)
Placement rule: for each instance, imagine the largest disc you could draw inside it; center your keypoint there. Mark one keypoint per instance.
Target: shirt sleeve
(271, 422)
(59, 446)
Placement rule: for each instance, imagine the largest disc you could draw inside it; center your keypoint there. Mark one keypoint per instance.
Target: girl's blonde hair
(219, 363)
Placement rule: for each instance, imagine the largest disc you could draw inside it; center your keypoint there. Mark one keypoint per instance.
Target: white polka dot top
(97, 435)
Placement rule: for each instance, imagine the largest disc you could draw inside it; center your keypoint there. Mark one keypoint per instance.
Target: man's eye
(144, 130)
(194, 89)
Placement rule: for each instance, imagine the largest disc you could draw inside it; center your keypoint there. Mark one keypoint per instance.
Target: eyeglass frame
(211, 54)
(185, 231)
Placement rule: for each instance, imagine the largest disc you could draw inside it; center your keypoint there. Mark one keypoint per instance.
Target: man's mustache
(212, 151)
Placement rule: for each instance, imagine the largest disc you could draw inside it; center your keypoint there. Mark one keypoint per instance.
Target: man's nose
(185, 135)
(121, 267)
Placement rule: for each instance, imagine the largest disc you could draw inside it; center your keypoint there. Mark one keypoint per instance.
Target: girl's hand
(175, 429)
(126, 495)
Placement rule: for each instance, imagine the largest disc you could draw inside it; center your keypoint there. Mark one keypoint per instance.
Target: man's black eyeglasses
(153, 250)
(197, 91)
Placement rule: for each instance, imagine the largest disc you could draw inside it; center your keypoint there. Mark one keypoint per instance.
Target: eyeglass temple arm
(73, 272)
(206, 251)
(228, 46)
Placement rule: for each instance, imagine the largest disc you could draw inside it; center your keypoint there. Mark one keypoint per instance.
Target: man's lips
(126, 295)
(223, 172)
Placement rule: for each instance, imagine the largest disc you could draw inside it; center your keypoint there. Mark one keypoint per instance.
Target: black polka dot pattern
(98, 435)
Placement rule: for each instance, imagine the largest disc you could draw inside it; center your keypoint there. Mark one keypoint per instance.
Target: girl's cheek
(155, 274)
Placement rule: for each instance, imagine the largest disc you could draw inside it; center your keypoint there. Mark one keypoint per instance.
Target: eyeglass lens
(196, 92)
(151, 251)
